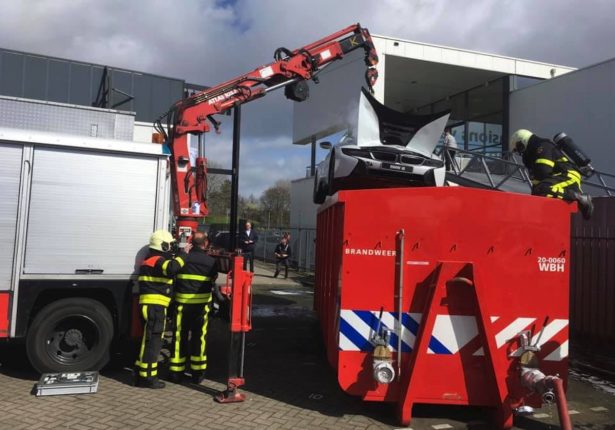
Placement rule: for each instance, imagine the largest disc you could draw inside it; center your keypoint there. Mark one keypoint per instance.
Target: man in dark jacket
(552, 173)
(193, 298)
(282, 254)
(246, 241)
(155, 291)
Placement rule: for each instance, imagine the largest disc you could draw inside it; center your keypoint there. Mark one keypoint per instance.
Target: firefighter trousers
(154, 317)
(190, 336)
(566, 186)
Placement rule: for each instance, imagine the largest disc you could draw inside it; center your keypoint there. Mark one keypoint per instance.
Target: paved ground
(289, 386)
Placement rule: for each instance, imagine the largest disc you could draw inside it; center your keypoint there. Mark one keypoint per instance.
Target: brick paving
(289, 386)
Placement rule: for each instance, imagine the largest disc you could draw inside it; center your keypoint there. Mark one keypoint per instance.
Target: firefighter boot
(197, 377)
(176, 377)
(585, 204)
(153, 383)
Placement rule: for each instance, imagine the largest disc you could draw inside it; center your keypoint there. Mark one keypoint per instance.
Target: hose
(562, 406)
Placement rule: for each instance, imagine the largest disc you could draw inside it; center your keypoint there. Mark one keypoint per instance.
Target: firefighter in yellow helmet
(155, 292)
(552, 173)
(193, 297)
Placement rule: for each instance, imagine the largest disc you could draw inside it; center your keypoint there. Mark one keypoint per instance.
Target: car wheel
(70, 335)
(318, 194)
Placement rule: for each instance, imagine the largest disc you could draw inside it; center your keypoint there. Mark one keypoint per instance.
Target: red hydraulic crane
(195, 114)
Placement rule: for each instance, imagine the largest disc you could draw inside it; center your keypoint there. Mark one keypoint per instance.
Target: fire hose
(551, 388)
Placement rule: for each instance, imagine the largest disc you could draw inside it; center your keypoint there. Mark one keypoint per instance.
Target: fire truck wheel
(70, 335)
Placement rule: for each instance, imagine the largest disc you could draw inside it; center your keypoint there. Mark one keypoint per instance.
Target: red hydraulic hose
(562, 406)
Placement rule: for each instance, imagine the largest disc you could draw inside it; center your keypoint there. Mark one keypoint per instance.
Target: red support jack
(239, 289)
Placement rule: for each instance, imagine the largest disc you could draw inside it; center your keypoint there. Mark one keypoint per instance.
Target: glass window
(484, 137)
(11, 74)
(143, 98)
(35, 83)
(486, 99)
(122, 90)
(80, 84)
(57, 91)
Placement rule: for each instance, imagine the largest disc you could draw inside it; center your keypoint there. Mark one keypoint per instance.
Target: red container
(475, 268)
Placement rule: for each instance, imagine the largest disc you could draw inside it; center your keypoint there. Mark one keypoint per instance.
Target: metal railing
(468, 166)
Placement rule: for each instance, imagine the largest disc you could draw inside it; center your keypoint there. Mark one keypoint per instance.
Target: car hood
(381, 125)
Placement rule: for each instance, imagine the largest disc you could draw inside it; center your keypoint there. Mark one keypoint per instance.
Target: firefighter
(552, 173)
(155, 292)
(193, 298)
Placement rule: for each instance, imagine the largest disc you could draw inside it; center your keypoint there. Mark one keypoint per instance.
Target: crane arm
(195, 114)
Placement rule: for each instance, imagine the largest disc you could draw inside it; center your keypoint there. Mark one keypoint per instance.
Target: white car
(392, 149)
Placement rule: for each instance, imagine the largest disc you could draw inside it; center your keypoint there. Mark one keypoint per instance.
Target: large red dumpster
(462, 281)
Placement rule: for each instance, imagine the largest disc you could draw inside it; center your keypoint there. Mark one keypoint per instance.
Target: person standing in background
(246, 241)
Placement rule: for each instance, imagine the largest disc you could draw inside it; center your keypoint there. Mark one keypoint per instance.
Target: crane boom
(195, 114)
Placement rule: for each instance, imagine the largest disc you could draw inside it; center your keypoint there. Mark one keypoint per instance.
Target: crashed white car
(390, 149)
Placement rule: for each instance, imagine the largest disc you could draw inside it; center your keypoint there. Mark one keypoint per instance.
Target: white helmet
(161, 240)
(519, 139)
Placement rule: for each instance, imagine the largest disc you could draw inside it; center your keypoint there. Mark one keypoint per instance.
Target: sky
(207, 42)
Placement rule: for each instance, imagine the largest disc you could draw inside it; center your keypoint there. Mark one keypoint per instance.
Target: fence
(302, 244)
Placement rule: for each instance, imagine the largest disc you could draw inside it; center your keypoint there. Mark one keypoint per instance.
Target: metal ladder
(480, 170)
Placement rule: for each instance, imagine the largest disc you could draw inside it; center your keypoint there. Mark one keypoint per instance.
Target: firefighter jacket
(544, 160)
(156, 277)
(196, 278)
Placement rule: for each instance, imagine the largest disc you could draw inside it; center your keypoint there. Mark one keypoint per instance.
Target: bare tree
(275, 203)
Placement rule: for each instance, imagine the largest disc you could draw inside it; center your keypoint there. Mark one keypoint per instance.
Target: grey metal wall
(65, 81)
(63, 118)
(592, 295)
(581, 103)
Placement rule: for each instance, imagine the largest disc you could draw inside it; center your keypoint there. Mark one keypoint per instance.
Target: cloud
(207, 42)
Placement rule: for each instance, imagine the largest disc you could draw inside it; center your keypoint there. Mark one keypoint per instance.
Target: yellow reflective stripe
(148, 374)
(545, 161)
(198, 366)
(563, 159)
(144, 312)
(143, 365)
(187, 298)
(180, 261)
(175, 368)
(193, 295)
(156, 279)
(193, 277)
(197, 358)
(204, 332)
(154, 299)
(164, 267)
(575, 175)
(178, 329)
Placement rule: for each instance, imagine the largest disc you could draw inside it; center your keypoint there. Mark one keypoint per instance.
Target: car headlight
(433, 163)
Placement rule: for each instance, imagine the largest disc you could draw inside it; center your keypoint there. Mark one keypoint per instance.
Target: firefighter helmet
(161, 240)
(519, 140)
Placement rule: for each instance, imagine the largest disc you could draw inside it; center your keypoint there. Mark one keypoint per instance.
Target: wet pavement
(289, 384)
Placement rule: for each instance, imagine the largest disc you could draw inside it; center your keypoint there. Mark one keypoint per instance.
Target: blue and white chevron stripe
(450, 334)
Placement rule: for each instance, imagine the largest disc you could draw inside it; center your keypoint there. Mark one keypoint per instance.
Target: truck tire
(70, 335)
